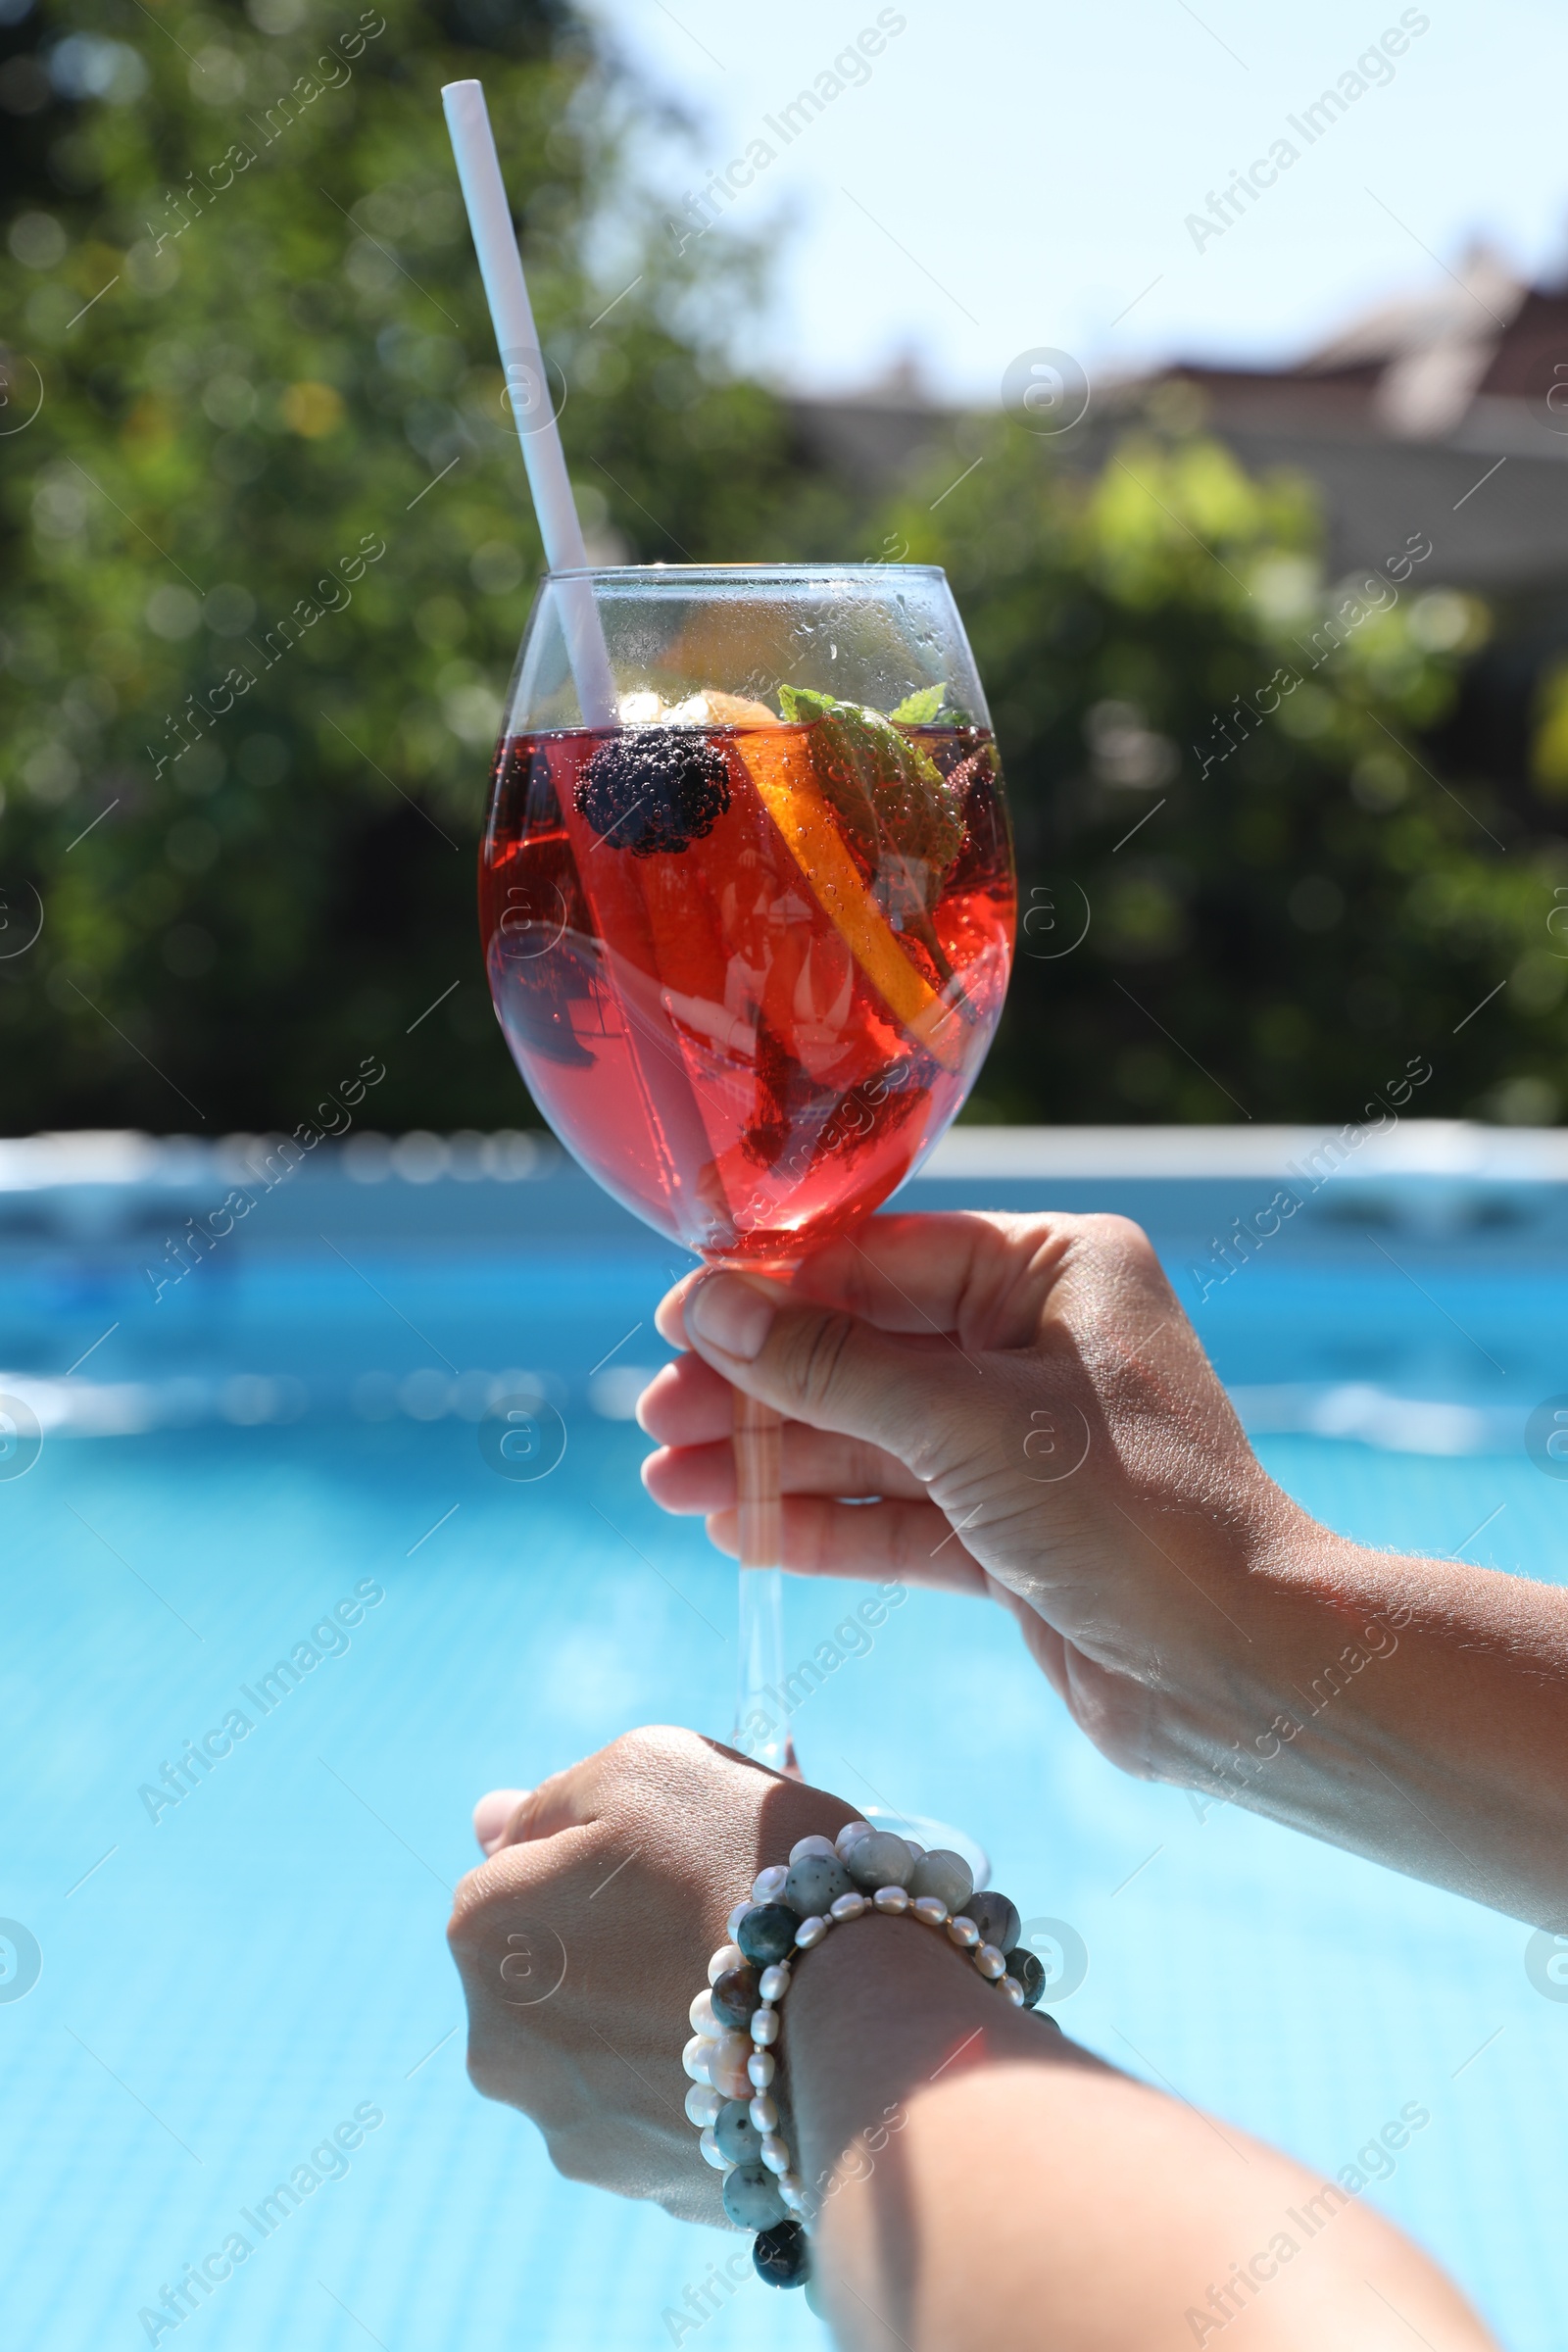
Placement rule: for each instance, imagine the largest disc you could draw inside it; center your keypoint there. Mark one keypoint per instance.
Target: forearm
(987, 2186)
(1405, 1708)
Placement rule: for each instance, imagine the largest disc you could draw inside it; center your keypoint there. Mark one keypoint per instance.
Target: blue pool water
(220, 1990)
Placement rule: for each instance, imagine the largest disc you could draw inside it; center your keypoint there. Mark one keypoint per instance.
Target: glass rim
(646, 575)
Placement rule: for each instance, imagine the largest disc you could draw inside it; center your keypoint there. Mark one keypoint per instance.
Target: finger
(687, 1404)
(921, 1398)
(951, 1273)
(870, 1540)
(702, 1477)
(567, 1800)
(669, 1314)
(918, 1273)
(492, 1814)
(690, 1481)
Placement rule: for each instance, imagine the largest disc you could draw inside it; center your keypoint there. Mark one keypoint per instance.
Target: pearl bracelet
(731, 2057)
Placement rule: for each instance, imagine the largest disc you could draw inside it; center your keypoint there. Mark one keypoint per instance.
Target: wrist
(1316, 1610)
(782, 1813)
(876, 2014)
(748, 2110)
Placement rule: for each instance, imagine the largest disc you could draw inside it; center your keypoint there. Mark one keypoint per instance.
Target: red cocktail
(750, 970)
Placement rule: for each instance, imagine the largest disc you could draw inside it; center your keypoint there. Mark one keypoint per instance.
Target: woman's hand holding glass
(1034, 1420)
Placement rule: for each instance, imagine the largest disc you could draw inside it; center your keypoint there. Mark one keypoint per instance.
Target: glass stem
(761, 1717)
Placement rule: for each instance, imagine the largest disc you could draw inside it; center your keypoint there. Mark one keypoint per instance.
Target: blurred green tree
(271, 449)
(1246, 890)
(251, 429)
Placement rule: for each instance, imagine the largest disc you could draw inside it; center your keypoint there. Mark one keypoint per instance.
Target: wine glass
(748, 945)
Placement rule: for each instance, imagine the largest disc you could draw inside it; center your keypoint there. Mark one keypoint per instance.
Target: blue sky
(1011, 174)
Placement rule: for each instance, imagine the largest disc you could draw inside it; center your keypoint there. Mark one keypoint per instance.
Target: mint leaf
(919, 709)
(886, 791)
(800, 704)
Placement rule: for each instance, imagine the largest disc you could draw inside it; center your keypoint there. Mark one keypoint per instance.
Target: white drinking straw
(517, 341)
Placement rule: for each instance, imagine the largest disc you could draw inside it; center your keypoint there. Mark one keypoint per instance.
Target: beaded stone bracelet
(735, 2021)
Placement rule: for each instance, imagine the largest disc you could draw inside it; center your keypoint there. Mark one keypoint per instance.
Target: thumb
(493, 1813)
(832, 1370)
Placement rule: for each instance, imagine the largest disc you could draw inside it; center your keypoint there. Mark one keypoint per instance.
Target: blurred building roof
(1443, 413)
(876, 438)
(1410, 368)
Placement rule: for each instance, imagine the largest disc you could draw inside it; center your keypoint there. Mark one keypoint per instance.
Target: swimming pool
(219, 1990)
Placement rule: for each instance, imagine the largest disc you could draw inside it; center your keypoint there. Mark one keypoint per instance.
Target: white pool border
(1451, 1148)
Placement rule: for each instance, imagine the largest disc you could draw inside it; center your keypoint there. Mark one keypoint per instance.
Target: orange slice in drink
(780, 768)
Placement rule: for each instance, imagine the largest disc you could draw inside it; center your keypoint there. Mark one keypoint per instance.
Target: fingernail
(492, 1814)
(730, 1315)
(667, 1318)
